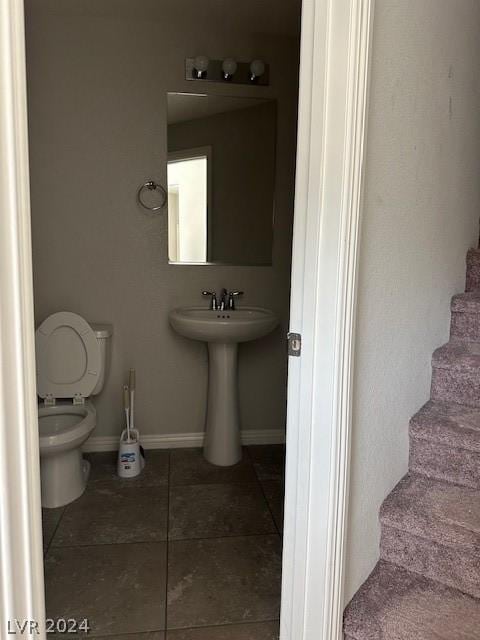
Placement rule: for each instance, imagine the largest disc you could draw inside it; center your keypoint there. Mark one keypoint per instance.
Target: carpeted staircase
(426, 585)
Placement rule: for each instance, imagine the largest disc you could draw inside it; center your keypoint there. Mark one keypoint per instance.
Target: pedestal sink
(223, 330)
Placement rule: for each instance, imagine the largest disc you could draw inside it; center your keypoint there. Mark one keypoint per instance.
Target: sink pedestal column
(222, 433)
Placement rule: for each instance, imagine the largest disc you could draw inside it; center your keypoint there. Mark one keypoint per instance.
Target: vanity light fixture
(203, 69)
(257, 69)
(200, 67)
(229, 67)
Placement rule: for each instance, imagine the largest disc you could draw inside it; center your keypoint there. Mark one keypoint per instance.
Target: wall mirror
(221, 179)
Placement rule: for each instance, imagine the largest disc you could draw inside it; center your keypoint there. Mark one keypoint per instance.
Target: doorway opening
(191, 546)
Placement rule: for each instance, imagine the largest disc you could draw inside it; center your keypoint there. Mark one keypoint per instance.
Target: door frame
(333, 101)
(335, 46)
(21, 553)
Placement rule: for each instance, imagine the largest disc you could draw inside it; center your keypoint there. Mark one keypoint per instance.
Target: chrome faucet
(231, 299)
(227, 299)
(213, 301)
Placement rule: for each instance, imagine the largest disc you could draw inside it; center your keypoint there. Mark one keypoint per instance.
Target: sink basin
(222, 331)
(241, 325)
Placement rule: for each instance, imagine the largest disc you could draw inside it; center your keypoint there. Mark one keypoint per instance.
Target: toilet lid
(68, 356)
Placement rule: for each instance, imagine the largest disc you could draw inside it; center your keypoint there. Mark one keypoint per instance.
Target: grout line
(210, 626)
(192, 483)
(54, 532)
(266, 499)
(198, 485)
(238, 623)
(270, 509)
(166, 540)
(225, 537)
(106, 544)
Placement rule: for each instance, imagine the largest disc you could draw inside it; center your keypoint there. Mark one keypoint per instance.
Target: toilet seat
(63, 424)
(68, 358)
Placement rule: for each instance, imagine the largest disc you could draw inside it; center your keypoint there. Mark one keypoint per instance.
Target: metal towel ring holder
(151, 185)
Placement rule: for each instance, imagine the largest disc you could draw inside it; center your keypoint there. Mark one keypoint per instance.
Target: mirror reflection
(221, 179)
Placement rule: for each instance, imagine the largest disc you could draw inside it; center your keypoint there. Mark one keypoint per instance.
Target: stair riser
(465, 326)
(473, 271)
(453, 567)
(443, 462)
(460, 386)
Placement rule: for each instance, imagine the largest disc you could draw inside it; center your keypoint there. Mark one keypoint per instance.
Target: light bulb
(201, 65)
(257, 69)
(229, 67)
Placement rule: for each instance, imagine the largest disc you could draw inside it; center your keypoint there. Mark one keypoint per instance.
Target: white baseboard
(183, 440)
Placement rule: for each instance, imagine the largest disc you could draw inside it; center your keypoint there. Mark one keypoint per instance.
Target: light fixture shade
(257, 69)
(229, 67)
(201, 63)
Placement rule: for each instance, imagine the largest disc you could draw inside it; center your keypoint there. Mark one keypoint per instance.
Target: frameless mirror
(221, 179)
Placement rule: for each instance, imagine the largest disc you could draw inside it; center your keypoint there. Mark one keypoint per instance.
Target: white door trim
(334, 67)
(333, 90)
(21, 557)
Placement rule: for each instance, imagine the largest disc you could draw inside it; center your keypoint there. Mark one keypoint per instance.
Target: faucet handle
(231, 298)
(213, 302)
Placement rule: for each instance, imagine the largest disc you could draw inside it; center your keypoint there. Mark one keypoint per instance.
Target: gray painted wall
(98, 73)
(422, 205)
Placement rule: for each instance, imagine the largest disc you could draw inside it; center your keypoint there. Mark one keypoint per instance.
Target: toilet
(71, 357)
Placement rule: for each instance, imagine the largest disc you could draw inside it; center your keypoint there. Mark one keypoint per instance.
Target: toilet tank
(103, 333)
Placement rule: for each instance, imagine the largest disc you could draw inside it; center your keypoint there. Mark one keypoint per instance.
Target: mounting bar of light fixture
(226, 71)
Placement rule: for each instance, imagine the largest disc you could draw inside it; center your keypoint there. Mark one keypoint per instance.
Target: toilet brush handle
(126, 404)
(131, 385)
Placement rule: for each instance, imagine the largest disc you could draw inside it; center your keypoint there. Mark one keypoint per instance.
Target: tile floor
(186, 551)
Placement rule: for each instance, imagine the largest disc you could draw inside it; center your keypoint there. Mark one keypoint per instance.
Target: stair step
(395, 604)
(473, 270)
(445, 443)
(456, 373)
(433, 528)
(465, 324)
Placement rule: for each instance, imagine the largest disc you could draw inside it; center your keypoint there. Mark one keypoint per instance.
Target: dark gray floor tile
(153, 635)
(188, 466)
(118, 588)
(110, 515)
(268, 461)
(275, 494)
(223, 580)
(50, 520)
(267, 453)
(103, 470)
(216, 510)
(251, 631)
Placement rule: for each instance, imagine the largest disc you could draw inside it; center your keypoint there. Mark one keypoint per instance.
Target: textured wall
(98, 73)
(422, 204)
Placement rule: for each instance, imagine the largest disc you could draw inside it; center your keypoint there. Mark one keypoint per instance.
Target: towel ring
(151, 185)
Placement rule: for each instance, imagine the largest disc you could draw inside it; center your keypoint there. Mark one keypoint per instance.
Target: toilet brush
(130, 460)
(135, 432)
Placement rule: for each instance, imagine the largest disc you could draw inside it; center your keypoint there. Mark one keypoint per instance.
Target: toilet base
(64, 477)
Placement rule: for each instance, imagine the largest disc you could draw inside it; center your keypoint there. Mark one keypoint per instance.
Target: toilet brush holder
(130, 455)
